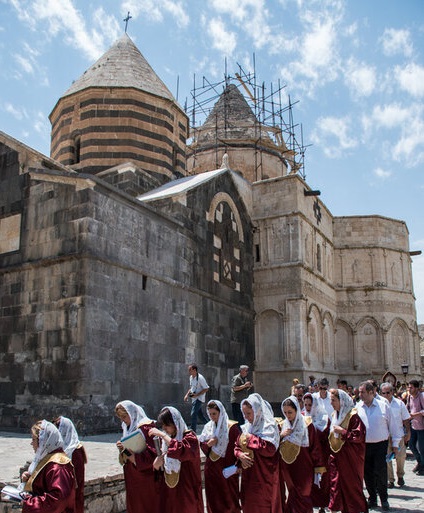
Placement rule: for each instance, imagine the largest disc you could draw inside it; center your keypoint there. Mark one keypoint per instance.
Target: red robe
(141, 486)
(299, 475)
(79, 460)
(260, 488)
(222, 494)
(321, 495)
(53, 489)
(187, 495)
(347, 470)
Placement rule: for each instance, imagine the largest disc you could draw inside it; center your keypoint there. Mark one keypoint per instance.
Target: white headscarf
(346, 404)
(136, 414)
(219, 430)
(318, 413)
(49, 439)
(171, 464)
(69, 434)
(264, 425)
(299, 436)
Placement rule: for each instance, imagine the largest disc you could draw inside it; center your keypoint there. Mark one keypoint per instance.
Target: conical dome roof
(230, 118)
(122, 65)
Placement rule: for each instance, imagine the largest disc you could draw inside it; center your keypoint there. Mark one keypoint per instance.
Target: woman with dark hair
(141, 488)
(257, 451)
(301, 456)
(74, 450)
(50, 478)
(347, 458)
(217, 441)
(180, 479)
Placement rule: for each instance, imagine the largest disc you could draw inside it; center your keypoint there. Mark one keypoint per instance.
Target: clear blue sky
(355, 67)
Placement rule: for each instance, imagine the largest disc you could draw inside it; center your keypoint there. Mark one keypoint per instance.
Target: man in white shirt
(323, 396)
(402, 425)
(197, 392)
(378, 418)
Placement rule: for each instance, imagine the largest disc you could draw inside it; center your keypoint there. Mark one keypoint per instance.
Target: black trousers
(375, 470)
(237, 413)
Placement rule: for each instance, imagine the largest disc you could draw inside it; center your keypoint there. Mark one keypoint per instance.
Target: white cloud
(154, 10)
(40, 123)
(316, 60)
(332, 135)
(391, 115)
(409, 149)
(381, 173)
(418, 278)
(222, 40)
(402, 137)
(396, 42)
(411, 79)
(18, 113)
(250, 16)
(360, 78)
(24, 63)
(64, 20)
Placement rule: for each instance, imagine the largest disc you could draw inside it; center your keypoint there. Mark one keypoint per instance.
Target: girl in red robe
(320, 495)
(301, 456)
(74, 450)
(141, 487)
(217, 441)
(50, 479)
(256, 449)
(180, 479)
(347, 443)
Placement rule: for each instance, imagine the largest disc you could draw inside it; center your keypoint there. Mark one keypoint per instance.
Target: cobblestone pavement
(15, 451)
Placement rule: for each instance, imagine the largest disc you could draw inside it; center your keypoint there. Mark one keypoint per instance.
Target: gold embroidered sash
(337, 443)
(56, 457)
(243, 445)
(172, 479)
(289, 451)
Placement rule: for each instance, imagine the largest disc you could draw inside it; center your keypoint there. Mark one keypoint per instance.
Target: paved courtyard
(15, 450)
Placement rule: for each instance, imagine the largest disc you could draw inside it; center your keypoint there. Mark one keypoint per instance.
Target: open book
(11, 493)
(134, 442)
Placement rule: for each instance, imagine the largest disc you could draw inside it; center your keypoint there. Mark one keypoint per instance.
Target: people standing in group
(257, 452)
(141, 489)
(415, 405)
(50, 479)
(178, 465)
(197, 392)
(76, 452)
(301, 457)
(380, 427)
(241, 387)
(402, 424)
(324, 397)
(217, 442)
(347, 456)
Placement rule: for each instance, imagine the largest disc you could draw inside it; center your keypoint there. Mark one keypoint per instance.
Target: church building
(142, 245)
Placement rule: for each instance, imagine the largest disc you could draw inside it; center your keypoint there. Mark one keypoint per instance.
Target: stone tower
(255, 151)
(119, 111)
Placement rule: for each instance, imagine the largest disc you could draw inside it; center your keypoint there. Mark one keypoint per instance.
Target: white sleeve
(404, 412)
(202, 383)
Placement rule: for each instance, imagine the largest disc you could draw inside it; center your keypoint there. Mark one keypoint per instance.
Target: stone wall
(101, 495)
(109, 299)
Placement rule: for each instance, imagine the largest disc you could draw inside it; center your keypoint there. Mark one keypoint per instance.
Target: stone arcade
(128, 254)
